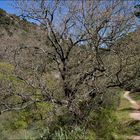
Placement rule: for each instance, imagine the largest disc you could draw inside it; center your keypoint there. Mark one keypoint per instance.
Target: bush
(78, 133)
(104, 123)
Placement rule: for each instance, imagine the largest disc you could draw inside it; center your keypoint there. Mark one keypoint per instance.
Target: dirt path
(135, 114)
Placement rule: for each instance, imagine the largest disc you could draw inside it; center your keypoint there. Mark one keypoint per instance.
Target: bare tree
(80, 35)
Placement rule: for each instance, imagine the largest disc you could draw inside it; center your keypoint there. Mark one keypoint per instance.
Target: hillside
(16, 34)
(55, 86)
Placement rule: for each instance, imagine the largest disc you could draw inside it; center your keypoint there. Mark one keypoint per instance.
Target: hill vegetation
(64, 81)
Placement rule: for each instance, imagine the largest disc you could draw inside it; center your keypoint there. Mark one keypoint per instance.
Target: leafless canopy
(70, 26)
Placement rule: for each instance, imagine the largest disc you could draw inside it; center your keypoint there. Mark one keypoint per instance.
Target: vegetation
(130, 126)
(63, 79)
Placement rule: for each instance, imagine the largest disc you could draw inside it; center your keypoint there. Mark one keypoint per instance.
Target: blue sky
(7, 6)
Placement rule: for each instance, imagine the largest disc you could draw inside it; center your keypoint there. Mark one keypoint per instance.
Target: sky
(7, 6)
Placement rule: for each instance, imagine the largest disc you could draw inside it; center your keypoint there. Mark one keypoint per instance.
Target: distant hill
(16, 34)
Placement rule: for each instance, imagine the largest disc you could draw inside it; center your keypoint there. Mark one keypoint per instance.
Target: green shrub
(78, 133)
(6, 68)
(104, 123)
